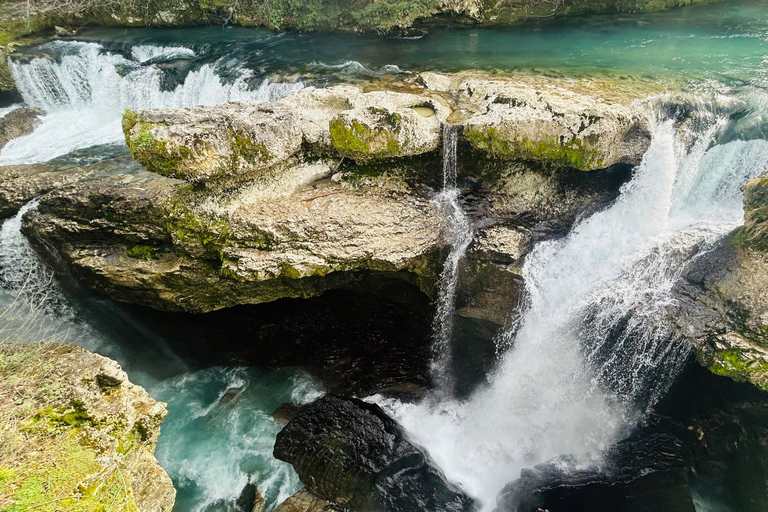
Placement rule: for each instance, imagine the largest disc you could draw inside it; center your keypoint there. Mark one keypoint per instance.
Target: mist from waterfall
(460, 233)
(593, 352)
(85, 90)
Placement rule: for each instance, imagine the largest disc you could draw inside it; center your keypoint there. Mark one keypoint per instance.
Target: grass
(53, 456)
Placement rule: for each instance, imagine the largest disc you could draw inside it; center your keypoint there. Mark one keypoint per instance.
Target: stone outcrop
(226, 220)
(725, 304)
(77, 433)
(305, 501)
(555, 126)
(19, 122)
(351, 453)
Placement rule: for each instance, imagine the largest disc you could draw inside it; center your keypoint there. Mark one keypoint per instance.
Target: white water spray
(461, 232)
(86, 90)
(593, 353)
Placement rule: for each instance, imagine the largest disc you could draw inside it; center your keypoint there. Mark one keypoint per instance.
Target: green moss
(250, 151)
(574, 153)
(363, 143)
(142, 252)
(740, 365)
(154, 154)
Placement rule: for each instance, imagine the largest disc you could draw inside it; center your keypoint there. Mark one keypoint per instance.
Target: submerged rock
(351, 453)
(19, 122)
(78, 432)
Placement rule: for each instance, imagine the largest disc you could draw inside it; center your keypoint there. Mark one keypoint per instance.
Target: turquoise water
(724, 41)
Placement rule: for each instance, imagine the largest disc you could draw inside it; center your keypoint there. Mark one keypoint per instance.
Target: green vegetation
(363, 143)
(574, 153)
(50, 452)
(142, 252)
(740, 365)
(156, 155)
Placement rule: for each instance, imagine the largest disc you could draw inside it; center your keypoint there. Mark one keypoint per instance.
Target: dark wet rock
(645, 473)
(351, 453)
(286, 412)
(723, 301)
(19, 122)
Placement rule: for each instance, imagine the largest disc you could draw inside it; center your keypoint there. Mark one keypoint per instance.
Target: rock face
(556, 126)
(77, 432)
(382, 16)
(18, 122)
(725, 305)
(351, 453)
(644, 473)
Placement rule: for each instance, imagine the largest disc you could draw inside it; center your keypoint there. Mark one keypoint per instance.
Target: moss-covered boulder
(76, 434)
(556, 126)
(389, 126)
(201, 143)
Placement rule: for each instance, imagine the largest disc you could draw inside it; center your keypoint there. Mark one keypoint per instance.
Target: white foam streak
(461, 234)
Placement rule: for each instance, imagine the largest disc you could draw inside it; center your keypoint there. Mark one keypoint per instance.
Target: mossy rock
(575, 153)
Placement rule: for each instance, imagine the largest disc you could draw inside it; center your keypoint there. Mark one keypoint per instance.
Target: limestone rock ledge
(76, 434)
(252, 202)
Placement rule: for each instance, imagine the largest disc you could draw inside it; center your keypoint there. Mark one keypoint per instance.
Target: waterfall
(85, 90)
(461, 234)
(593, 352)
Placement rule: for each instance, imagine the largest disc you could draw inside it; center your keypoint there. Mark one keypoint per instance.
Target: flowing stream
(461, 232)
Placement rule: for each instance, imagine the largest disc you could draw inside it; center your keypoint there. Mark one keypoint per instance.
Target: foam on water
(85, 91)
(220, 420)
(592, 353)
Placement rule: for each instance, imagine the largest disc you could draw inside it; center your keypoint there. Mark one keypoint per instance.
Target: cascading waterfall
(593, 351)
(85, 91)
(461, 232)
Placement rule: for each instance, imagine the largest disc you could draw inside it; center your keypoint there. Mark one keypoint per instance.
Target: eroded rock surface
(725, 303)
(18, 122)
(351, 453)
(75, 431)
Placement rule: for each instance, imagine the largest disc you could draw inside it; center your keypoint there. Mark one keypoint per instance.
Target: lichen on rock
(76, 434)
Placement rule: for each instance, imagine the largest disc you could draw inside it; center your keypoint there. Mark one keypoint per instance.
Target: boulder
(351, 453)
(554, 125)
(388, 125)
(201, 143)
(305, 501)
(82, 434)
(645, 473)
(19, 122)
